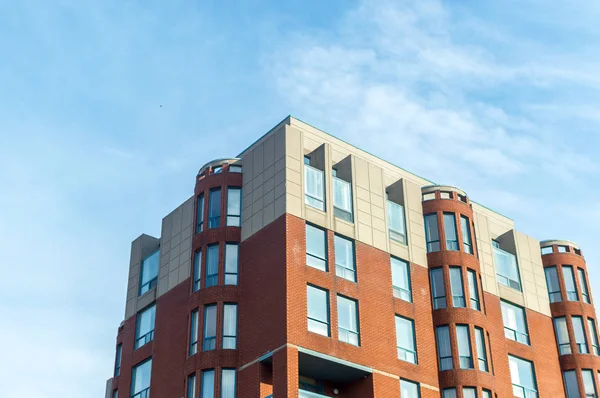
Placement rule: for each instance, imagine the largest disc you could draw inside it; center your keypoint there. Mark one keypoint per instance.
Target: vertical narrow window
(507, 270)
(115, 394)
(194, 332)
(208, 383)
(469, 392)
(562, 335)
(342, 199)
(197, 269)
(473, 290)
(316, 248)
(487, 394)
(522, 375)
(553, 285)
(405, 339)
(149, 273)
(515, 324)
(231, 263)
(456, 287)
(200, 213)
(191, 386)
(571, 386)
(144, 332)
(579, 331)
(570, 283)
(230, 326)
(449, 393)
(214, 208)
(409, 389)
(228, 383)
(463, 338)
(234, 207)
(401, 279)
(210, 328)
(437, 288)
(432, 233)
(588, 383)
(314, 186)
(594, 336)
(466, 235)
(444, 349)
(583, 286)
(212, 265)
(118, 360)
(450, 231)
(345, 265)
(396, 222)
(140, 379)
(318, 310)
(348, 330)
(481, 352)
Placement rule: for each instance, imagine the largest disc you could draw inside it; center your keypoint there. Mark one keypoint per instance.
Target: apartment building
(307, 267)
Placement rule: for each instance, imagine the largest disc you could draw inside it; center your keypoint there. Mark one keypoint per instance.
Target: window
(234, 207)
(456, 287)
(316, 248)
(149, 273)
(546, 250)
(562, 249)
(594, 334)
(208, 384)
(348, 331)
(231, 263)
(515, 324)
(523, 377)
(571, 386)
(473, 291)
(469, 392)
(444, 349)
(214, 208)
(200, 213)
(212, 265)
(115, 394)
(450, 231)
(140, 380)
(507, 270)
(579, 331)
(583, 286)
(466, 235)
(570, 283)
(210, 328)
(401, 279)
(197, 270)
(449, 393)
(235, 168)
(229, 326)
(318, 310)
(428, 196)
(432, 233)
(191, 386)
(409, 389)
(588, 383)
(228, 383)
(118, 360)
(562, 335)
(396, 222)
(314, 186)
(217, 169)
(437, 288)
(342, 199)
(194, 332)
(405, 339)
(553, 285)
(487, 394)
(463, 338)
(445, 195)
(344, 258)
(144, 332)
(481, 352)
(311, 385)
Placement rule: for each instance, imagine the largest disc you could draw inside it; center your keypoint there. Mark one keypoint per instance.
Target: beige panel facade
(141, 248)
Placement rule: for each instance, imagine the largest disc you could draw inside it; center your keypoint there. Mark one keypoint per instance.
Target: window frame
(199, 213)
(144, 392)
(142, 340)
(443, 361)
(583, 286)
(212, 279)
(519, 336)
(118, 359)
(223, 370)
(406, 350)
(435, 287)
(572, 295)
(549, 272)
(150, 283)
(214, 221)
(451, 244)
(525, 390)
(197, 271)
(466, 235)
(227, 337)
(327, 307)
(457, 299)
(475, 303)
(402, 267)
(309, 198)
(349, 332)
(464, 361)
(410, 383)
(309, 255)
(209, 343)
(236, 219)
(231, 277)
(481, 347)
(567, 382)
(191, 386)
(396, 236)
(203, 391)
(564, 348)
(344, 271)
(342, 214)
(582, 347)
(590, 373)
(593, 336)
(432, 245)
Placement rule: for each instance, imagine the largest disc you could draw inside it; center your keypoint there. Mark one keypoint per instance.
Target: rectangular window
(463, 338)
(318, 310)
(571, 386)
(409, 389)
(197, 270)
(570, 283)
(396, 222)
(515, 323)
(507, 270)
(234, 207)
(466, 235)
(583, 286)
(523, 377)
(449, 393)
(348, 330)
(432, 233)
(481, 352)
(588, 383)
(228, 383)
(140, 380)
(118, 360)
(444, 349)
(235, 168)
(212, 265)
(210, 328)
(405, 339)
(594, 335)
(546, 250)
(450, 231)
(229, 326)
(200, 213)
(562, 249)
(553, 285)
(473, 291)
(144, 332)
(345, 266)
(437, 288)
(342, 199)
(231, 263)
(149, 273)
(579, 331)
(208, 384)
(217, 169)
(401, 279)
(487, 394)
(115, 394)
(194, 332)
(314, 187)
(316, 248)
(214, 208)
(191, 386)
(456, 287)
(562, 335)
(469, 392)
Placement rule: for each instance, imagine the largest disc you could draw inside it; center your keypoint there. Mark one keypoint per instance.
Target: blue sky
(109, 108)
